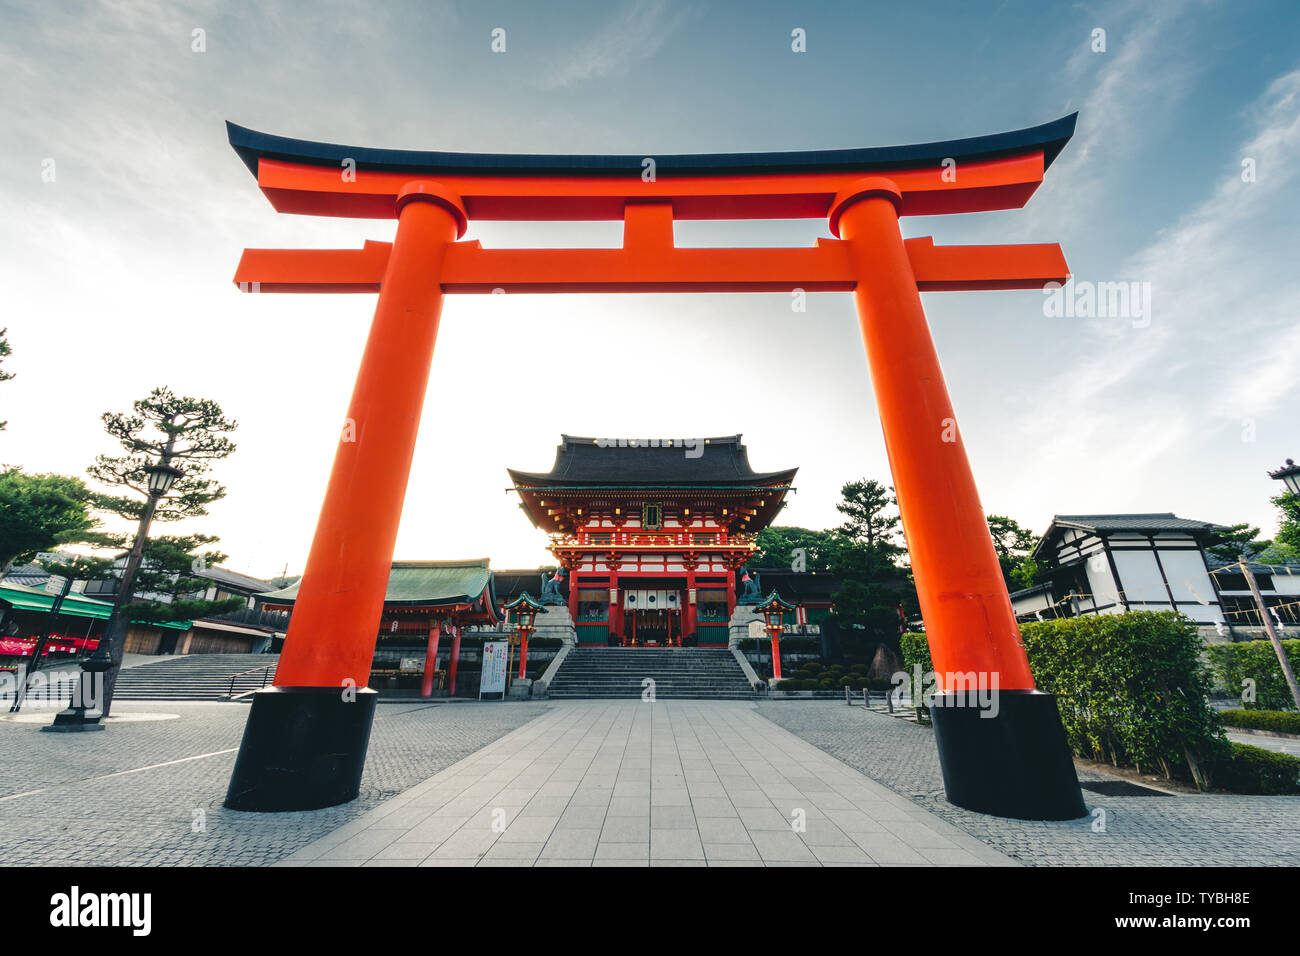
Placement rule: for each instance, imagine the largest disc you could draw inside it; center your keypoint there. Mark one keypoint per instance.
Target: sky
(125, 212)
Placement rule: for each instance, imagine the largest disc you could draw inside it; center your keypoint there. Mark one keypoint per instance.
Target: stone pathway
(626, 783)
(1192, 830)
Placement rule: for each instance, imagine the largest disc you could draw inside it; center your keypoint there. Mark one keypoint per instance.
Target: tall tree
(1234, 541)
(1013, 544)
(867, 560)
(184, 433)
(866, 505)
(5, 352)
(795, 548)
(38, 512)
(1288, 529)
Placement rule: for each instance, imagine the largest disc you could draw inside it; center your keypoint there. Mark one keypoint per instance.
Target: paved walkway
(675, 783)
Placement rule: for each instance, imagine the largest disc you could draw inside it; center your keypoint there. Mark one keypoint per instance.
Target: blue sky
(117, 273)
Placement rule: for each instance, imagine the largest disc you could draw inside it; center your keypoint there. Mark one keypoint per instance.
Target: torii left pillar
(304, 745)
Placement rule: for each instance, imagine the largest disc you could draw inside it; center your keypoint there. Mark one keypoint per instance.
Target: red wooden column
(968, 616)
(1002, 748)
(692, 608)
(431, 658)
(454, 662)
(305, 740)
(775, 634)
(523, 652)
(615, 605)
(331, 633)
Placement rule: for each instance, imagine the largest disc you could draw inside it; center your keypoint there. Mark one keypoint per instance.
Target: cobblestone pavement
(1194, 830)
(71, 799)
(627, 783)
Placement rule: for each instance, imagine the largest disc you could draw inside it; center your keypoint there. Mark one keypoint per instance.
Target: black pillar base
(74, 721)
(304, 748)
(1015, 763)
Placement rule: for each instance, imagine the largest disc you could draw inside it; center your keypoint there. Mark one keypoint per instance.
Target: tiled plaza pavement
(626, 783)
(1192, 830)
(72, 799)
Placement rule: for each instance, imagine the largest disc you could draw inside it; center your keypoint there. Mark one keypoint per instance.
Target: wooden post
(1278, 649)
(430, 658)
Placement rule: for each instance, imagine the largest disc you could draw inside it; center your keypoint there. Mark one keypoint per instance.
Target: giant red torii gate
(305, 741)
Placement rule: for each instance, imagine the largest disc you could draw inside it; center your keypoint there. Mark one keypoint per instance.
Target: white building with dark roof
(1114, 563)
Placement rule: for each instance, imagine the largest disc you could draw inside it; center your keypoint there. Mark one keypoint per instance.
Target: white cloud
(635, 33)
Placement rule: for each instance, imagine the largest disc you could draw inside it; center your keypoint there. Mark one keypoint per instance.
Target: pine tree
(173, 431)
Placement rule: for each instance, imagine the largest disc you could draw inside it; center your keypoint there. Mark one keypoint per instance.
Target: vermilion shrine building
(651, 533)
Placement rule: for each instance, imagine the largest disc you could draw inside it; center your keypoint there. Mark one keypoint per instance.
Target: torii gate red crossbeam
(1008, 758)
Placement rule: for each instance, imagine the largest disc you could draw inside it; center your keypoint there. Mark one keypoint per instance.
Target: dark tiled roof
(511, 583)
(1147, 521)
(593, 462)
(28, 576)
(234, 579)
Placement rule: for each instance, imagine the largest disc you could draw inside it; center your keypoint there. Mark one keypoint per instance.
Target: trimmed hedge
(916, 650)
(1131, 689)
(1247, 769)
(1278, 721)
(1234, 664)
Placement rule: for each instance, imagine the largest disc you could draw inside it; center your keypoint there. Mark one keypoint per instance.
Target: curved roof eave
(542, 480)
(252, 145)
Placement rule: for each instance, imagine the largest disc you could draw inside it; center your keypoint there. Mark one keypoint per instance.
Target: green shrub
(826, 683)
(916, 650)
(1246, 769)
(1256, 661)
(852, 681)
(878, 684)
(1131, 689)
(1278, 721)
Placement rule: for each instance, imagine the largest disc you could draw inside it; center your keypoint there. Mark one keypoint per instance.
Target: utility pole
(1272, 634)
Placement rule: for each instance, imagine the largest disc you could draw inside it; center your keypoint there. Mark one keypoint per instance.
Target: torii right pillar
(1001, 745)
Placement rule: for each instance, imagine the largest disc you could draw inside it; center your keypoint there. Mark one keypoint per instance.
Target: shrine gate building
(650, 533)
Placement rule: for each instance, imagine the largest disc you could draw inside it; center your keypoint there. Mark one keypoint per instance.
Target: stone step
(678, 673)
(196, 677)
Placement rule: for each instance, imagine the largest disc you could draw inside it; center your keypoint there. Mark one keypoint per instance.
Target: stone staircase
(685, 673)
(195, 677)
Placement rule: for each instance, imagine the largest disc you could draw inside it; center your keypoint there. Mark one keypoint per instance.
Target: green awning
(74, 605)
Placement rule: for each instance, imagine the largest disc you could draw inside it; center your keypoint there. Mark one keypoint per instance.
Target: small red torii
(305, 741)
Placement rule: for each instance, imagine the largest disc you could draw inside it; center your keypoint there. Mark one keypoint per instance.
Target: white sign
(757, 629)
(492, 679)
(409, 665)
